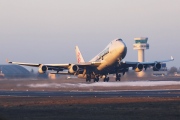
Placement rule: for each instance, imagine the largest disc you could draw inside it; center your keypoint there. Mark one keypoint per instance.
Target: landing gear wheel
(88, 78)
(96, 79)
(118, 77)
(106, 79)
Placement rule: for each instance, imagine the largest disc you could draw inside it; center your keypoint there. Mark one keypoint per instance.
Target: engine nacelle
(139, 67)
(73, 69)
(42, 69)
(157, 67)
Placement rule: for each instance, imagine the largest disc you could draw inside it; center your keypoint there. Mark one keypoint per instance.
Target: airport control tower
(141, 45)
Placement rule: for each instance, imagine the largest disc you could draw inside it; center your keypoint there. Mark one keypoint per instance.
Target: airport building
(13, 71)
(141, 45)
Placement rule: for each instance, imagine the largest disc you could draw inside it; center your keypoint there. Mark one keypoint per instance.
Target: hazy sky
(46, 31)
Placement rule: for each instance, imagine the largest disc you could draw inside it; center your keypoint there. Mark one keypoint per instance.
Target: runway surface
(142, 93)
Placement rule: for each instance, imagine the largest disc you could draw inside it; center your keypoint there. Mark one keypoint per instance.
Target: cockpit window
(119, 40)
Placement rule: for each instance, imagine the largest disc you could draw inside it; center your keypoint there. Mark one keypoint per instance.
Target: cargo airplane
(109, 61)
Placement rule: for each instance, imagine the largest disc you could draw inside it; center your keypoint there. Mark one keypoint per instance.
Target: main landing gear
(106, 79)
(96, 79)
(88, 78)
(118, 77)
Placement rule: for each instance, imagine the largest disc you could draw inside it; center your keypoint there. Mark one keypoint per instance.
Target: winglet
(79, 57)
(172, 58)
(7, 61)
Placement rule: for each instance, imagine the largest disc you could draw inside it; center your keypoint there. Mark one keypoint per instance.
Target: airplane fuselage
(113, 53)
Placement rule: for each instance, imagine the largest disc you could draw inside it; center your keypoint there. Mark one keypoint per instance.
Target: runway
(78, 88)
(69, 99)
(139, 93)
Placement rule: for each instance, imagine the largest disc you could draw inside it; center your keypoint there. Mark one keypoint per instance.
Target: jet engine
(42, 69)
(157, 67)
(73, 69)
(139, 67)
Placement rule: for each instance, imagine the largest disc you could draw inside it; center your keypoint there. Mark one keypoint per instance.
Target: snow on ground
(105, 84)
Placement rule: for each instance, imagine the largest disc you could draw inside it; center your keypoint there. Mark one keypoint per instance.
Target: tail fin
(79, 55)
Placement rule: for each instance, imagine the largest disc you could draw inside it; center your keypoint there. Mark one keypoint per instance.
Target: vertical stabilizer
(79, 55)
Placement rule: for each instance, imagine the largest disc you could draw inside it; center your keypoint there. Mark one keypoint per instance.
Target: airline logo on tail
(79, 55)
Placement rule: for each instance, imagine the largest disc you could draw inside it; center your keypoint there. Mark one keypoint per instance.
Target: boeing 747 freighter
(109, 61)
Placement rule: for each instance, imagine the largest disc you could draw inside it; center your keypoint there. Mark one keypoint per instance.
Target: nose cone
(122, 46)
(122, 49)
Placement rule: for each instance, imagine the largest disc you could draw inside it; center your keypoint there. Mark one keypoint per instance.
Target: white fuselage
(115, 51)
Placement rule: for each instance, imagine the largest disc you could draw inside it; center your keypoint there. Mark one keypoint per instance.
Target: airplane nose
(122, 49)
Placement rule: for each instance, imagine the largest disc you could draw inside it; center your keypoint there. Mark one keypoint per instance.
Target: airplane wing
(141, 65)
(161, 61)
(71, 67)
(57, 67)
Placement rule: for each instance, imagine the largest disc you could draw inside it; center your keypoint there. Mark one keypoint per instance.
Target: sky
(47, 31)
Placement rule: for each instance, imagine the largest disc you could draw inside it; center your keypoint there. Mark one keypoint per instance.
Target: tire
(107, 79)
